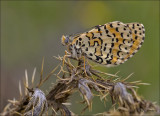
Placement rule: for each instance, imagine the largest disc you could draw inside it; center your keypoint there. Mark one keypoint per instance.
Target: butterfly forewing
(112, 43)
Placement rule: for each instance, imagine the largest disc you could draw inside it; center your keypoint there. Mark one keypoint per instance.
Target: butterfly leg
(86, 70)
(66, 55)
(84, 65)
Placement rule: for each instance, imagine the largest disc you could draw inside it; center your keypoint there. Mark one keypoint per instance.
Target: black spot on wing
(135, 31)
(89, 43)
(143, 32)
(111, 25)
(117, 40)
(101, 40)
(83, 45)
(111, 56)
(120, 46)
(122, 35)
(138, 48)
(122, 58)
(114, 34)
(110, 50)
(136, 37)
(76, 42)
(112, 44)
(86, 49)
(118, 53)
(99, 30)
(107, 56)
(133, 53)
(108, 61)
(91, 54)
(117, 29)
(80, 39)
(88, 37)
(109, 36)
(99, 59)
(107, 31)
(89, 58)
(124, 41)
(133, 27)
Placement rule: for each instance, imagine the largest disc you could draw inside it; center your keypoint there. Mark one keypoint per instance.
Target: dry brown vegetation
(85, 79)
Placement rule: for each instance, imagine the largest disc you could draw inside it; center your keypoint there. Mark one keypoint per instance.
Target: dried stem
(85, 79)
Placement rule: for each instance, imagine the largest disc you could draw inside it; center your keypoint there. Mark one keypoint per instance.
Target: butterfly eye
(65, 40)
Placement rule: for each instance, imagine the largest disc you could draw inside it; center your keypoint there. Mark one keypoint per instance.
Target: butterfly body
(109, 44)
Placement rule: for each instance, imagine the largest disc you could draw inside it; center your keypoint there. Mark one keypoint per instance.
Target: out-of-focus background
(31, 30)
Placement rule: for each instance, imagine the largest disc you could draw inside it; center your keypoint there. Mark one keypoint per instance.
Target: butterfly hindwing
(112, 43)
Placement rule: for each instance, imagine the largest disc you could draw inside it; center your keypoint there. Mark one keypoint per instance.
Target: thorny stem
(80, 77)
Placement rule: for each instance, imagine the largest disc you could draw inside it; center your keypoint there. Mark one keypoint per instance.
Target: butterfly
(110, 44)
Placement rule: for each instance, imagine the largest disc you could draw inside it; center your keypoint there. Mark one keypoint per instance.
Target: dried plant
(85, 79)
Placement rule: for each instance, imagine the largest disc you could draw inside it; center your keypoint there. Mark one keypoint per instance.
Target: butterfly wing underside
(112, 43)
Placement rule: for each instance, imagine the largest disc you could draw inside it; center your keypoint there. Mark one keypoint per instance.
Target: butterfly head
(65, 40)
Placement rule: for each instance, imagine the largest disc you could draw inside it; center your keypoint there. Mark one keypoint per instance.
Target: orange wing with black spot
(112, 43)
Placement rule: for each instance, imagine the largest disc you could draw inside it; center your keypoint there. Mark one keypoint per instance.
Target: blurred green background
(31, 30)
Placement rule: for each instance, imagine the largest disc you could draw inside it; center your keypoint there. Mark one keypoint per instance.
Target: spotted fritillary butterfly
(109, 44)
